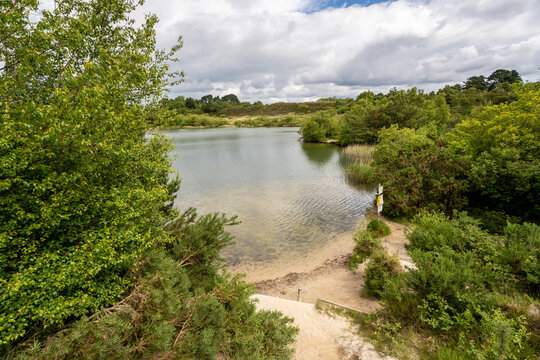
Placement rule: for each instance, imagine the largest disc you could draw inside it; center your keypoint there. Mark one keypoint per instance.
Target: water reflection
(290, 197)
(318, 154)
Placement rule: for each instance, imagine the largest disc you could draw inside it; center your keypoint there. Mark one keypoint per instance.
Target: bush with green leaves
(418, 172)
(501, 145)
(366, 243)
(83, 188)
(380, 269)
(402, 108)
(320, 126)
(378, 228)
(471, 289)
(184, 307)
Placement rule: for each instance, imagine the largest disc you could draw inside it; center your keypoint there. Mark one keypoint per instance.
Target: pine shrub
(378, 228)
(366, 243)
(380, 269)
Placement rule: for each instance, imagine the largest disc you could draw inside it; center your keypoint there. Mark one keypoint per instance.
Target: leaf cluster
(501, 145)
(181, 308)
(420, 171)
(84, 190)
(402, 108)
(470, 288)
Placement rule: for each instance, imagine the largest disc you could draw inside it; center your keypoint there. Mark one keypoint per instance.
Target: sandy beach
(322, 274)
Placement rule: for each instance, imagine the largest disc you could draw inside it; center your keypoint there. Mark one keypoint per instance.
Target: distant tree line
(368, 113)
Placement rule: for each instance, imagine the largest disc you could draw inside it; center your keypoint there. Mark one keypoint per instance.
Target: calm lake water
(289, 196)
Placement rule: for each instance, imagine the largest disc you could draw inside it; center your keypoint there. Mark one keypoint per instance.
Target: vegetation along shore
(97, 262)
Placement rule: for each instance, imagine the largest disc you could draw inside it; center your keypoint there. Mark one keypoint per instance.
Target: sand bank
(321, 336)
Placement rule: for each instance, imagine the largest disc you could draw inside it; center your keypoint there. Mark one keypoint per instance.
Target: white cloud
(273, 50)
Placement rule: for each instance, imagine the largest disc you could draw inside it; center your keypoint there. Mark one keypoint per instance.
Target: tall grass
(359, 154)
(359, 158)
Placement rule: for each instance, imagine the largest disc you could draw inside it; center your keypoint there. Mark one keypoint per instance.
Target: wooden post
(299, 290)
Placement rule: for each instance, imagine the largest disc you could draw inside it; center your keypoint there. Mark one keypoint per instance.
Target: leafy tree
(207, 99)
(83, 189)
(191, 103)
(320, 126)
(501, 144)
(231, 98)
(311, 132)
(503, 76)
(419, 171)
(406, 108)
(476, 82)
(181, 307)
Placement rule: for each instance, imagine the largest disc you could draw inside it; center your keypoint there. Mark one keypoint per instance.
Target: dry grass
(359, 154)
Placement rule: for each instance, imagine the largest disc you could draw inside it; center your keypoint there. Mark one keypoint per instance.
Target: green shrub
(321, 126)
(419, 172)
(366, 243)
(311, 132)
(501, 145)
(83, 186)
(470, 288)
(503, 338)
(378, 228)
(379, 270)
(402, 108)
(361, 174)
(174, 312)
(521, 253)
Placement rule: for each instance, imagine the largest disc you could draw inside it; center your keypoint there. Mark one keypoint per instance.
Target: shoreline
(339, 246)
(323, 273)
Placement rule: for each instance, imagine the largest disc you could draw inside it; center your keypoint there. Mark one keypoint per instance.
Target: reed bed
(359, 168)
(359, 154)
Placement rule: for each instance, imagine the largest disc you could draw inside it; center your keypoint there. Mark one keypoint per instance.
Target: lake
(290, 196)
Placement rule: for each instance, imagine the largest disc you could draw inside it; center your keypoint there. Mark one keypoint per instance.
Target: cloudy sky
(291, 50)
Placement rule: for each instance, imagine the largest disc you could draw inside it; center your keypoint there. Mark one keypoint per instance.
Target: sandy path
(323, 274)
(333, 280)
(396, 241)
(321, 336)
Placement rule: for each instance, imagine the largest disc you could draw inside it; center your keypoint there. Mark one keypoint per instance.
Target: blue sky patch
(319, 5)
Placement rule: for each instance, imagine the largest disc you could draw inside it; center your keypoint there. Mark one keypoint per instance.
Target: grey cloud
(293, 56)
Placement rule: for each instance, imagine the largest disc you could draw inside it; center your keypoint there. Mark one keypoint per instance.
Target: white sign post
(380, 201)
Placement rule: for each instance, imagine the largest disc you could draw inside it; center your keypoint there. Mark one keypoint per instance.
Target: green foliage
(366, 243)
(312, 132)
(501, 144)
(320, 126)
(83, 188)
(174, 312)
(521, 253)
(380, 269)
(501, 76)
(170, 120)
(378, 228)
(280, 108)
(405, 108)
(287, 121)
(476, 82)
(504, 338)
(470, 289)
(418, 171)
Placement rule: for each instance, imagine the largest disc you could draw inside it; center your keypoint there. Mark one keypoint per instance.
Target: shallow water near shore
(292, 198)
